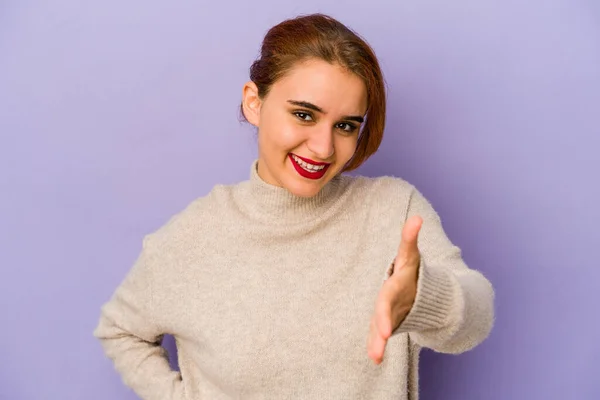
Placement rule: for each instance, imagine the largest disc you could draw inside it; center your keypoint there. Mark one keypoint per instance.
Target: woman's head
(316, 93)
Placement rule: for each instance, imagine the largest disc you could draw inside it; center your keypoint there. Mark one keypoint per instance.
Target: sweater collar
(277, 205)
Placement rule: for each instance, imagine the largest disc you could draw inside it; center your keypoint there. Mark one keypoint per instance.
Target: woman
(301, 282)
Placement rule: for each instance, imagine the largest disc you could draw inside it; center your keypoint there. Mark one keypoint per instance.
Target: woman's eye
(303, 116)
(346, 127)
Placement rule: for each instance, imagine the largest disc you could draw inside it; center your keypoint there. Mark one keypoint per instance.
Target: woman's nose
(320, 144)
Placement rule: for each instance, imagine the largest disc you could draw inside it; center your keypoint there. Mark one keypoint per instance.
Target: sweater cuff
(435, 299)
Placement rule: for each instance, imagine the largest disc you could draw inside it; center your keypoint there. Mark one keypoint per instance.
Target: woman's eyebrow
(311, 106)
(356, 118)
(308, 105)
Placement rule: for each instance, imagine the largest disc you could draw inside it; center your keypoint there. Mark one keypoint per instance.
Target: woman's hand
(398, 292)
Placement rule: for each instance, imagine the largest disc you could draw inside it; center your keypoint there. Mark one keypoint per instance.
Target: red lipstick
(308, 160)
(309, 174)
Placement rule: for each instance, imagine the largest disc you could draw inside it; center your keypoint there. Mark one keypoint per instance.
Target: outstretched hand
(397, 295)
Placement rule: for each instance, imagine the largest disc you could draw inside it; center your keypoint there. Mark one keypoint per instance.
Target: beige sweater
(269, 296)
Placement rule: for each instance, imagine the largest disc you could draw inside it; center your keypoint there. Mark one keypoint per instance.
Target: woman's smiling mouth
(309, 168)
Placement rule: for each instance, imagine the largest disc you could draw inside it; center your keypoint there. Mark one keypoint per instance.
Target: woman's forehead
(328, 86)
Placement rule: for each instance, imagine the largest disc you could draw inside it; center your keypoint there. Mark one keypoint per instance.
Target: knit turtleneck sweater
(269, 295)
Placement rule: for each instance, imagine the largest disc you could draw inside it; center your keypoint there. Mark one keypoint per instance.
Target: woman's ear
(251, 103)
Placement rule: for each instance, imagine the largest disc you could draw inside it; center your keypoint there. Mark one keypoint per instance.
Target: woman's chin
(304, 189)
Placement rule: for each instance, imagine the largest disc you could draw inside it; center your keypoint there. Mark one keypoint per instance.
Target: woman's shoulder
(384, 187)
(392, 192)
(194, 216)
(392, 196)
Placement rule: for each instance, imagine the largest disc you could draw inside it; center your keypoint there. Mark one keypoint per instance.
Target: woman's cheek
(290, 136)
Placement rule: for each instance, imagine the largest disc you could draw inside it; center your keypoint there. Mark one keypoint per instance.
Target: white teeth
(307, 166)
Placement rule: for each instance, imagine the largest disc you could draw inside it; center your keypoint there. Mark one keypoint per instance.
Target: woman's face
(308, 125)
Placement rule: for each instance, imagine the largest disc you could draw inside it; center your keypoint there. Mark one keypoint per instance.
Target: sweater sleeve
(454, 307)
(131, 338)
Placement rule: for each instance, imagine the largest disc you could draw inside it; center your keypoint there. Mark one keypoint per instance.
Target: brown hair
(322, 37)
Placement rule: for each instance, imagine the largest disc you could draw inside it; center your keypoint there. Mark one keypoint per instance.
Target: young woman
(301, 282)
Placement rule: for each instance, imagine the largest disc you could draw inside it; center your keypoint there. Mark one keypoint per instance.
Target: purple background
(115, 115)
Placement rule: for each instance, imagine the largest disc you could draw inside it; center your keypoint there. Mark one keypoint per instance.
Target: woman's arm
(131, 337)
(454, 306)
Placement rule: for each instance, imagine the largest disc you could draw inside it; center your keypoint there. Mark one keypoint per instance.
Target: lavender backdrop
(115, 115)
